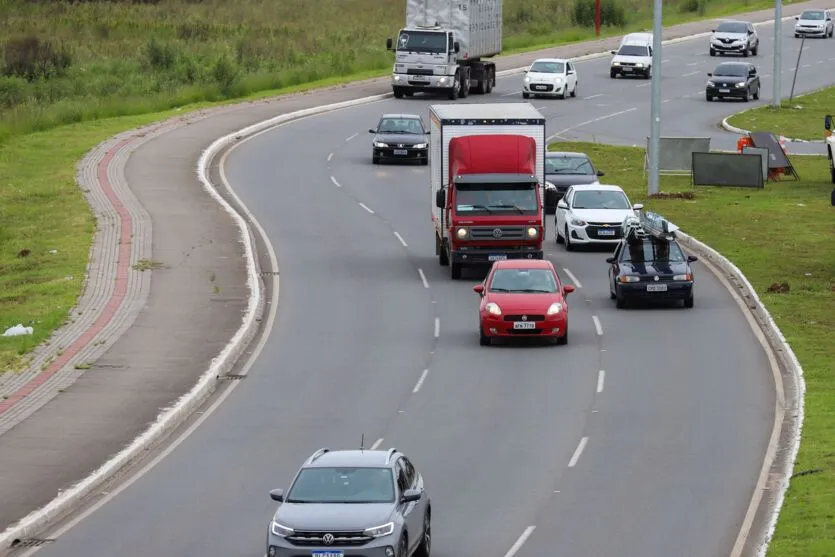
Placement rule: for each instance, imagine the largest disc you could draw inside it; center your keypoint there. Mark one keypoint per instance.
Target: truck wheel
(465, 88)
(455, 269)
(491, 77)
(453, 92)
(398, 92)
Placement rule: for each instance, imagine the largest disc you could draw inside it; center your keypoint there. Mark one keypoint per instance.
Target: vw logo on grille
(497, 232)
(524, 318)
(400, 145)
(655, 277)
(327, 539)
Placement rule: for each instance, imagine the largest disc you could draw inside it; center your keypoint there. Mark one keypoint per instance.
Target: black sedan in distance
(564, 169)
(735, 80)
(400, 137)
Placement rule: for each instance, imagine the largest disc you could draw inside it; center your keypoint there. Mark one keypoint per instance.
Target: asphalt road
(656, 457)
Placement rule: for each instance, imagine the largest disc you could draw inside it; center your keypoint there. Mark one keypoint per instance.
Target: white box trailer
(441, 47)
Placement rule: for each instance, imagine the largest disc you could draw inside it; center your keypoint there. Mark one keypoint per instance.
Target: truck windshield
(483, 199)
(422, 41)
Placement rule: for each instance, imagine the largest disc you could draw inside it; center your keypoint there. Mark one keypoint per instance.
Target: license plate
(724, 90)
(524, 325)
(656, 288)
(605, 232)
(626, 69)
(540, 87)
(401, 152)
(418, 78)
(496, 257)
(328, 553)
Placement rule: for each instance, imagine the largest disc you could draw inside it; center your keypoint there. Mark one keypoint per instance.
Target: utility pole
(777, 74)
(596, 18)
(655, 125)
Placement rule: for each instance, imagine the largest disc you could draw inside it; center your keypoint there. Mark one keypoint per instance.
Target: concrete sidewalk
(141, 338)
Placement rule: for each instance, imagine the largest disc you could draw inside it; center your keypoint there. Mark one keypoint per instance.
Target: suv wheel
(425, 546)
(403, 547)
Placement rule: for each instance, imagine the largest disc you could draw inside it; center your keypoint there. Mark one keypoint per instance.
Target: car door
(753, 80)
(613, 267)
(560, 214)
(410, 511)
(572, 76)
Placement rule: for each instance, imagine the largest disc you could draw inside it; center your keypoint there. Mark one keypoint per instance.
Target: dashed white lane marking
(693, 64)
(831, 59)
(400, 238)
(330, 156)
(592, 121)
(645, 84)
(511, 94)
(806, 66)
(517, 545)
(792, 69)
(668, 100)
(820, 62)
(421, 380)
(376, 443)
(347, 139)
(691, 73)
(366, 207)
(577, 452)
(573, 278)
(541, 107)
(597, 326)
(601, 377)
(437, 327)
(766, 75)
(423, 278)
(335, 183)
(594, 96)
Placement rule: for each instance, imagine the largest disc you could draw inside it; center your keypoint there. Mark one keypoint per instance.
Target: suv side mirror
(479, 289)
(613, 51)
(277, 495)
(797, 18)
(709, 74)
(440, 199)
(827, 122)
(750, 31)
(692, 258)
(567, 289)
(610, 260)
(456, 47)
(370, 130)
(388, 43)
(410, 495)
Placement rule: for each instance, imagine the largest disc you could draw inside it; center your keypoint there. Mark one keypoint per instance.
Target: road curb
(780, 465)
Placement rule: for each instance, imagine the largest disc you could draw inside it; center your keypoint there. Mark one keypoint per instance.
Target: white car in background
(592, 214)
(634, 57)
(550, 77)
(813, 23)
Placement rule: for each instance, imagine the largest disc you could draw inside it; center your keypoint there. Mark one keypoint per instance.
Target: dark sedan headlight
(380, 144)
(686, 276)
(628, 278)
(420, 146)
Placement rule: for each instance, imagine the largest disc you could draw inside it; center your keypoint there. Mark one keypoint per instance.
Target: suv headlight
(380, 531)
(380, 144)
(741, 84)
(577, 222)
(532, 232)
(493, 308)
(461, 233)
(280, 530)
(554, 309)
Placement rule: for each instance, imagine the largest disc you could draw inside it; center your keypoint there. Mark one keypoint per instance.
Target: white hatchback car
(814, 23)
(592, 214)
(551, 77)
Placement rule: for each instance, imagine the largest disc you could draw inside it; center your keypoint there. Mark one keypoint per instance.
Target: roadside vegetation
(802, 118)
(782, 241)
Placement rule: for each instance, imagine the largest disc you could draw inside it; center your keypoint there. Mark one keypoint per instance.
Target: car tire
(613, 74)
(526, 95)
(375, 160)
(403, 547)
(709, 98)
(563, 340)
(688, 303)
(745, 53)
(574, 91)
(620, 302)
(796, 36)
(757, 94)
(425, 546)
(557, 233)
(568, 245)
(755, 50)
(747, 95)
(832, 166)
(483, 340)
(712, 52)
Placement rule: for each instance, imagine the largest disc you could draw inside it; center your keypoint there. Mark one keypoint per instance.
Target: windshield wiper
(299, 501)
(477, 207)
(499, 290)
(535, 290)
(519, 209)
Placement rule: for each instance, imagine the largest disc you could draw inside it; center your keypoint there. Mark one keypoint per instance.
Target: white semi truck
(440, 49)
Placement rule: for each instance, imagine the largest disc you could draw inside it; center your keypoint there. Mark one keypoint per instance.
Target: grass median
(780, 234)
(802, 118)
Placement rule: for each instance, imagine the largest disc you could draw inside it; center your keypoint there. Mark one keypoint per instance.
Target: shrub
(12, 91)
(31, 58)
(612, 13)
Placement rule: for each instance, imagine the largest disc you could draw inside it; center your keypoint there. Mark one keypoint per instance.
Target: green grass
(802, 118)
(782, 233)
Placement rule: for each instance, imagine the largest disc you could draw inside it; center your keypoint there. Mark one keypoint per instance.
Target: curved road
(656, 457)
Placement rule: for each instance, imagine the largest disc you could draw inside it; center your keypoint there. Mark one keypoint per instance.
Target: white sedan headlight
(554, 309)
(527, 79)
(493, 309)
(280, 530)
(380, 144)
(577, 222)
(379, 531)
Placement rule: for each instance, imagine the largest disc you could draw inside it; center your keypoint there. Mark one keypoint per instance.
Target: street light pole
(655, 109)
(777, 74)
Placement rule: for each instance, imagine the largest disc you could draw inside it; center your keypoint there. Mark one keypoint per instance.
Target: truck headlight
(461, 233)
(532, 232)
(628, 278)
(379, 531)
(554, 308)
(493, 309)
(442, 81)
(380, 144)
(280, 530)
(683, 277)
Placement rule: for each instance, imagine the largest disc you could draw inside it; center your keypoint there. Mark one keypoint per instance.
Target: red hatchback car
(523, 297)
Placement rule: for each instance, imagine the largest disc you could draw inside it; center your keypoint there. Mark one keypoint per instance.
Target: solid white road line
(577, 452)
(693, 64)
(517, 545)
(421, 380)
(402, 241)
(592, 121)
(573, 278)
(513, 93)
(376, 443)
(806, 66)
(347, 139)
(645, 84)
(597, 326)
(330, 156)
(423, 278)
(601, 376)
(364, 206)
(594, 96)
(691, 73)
(437, 327)
(335, 183)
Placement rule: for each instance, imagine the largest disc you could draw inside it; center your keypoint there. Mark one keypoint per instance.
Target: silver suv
(352, 503)
(734, 37)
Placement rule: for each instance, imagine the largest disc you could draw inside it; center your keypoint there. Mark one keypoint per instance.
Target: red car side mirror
(567, 289)
(479, 289)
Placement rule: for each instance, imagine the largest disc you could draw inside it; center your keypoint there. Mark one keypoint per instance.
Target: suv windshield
(548, 67)
(809, 15)
(523, 280)
(568, 165)
(652, 251)
(731, 70)
(493, 198)
(400, 125)
(422, 41)
(342, 485)
(600, 199)
(633, 50)
(732, 27)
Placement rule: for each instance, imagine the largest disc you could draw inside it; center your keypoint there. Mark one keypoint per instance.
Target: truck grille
(529, 318)
(504, 233)
(415, 71)
(340, 539)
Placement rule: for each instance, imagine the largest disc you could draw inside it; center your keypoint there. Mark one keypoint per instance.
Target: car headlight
(639, 65)
(554, 308)
(527, 79)
(557, 80)
(420, 146)
(380, 144)
(280, 530)
(741, 84)
(577, 222)
(688, 276)
(379, 531)
(442, 80)
(533, 232)
(710, 84)
(493, 308)
(616, 63)
(628, 278)
(461, 233)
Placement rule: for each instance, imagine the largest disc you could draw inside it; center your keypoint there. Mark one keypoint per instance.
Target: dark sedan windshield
(568, 165)
(731, 70)
(523, 280)
(342, 485)
(493, 198)
(633, 50)
(732, 27)
(400, 125)
(650, 251)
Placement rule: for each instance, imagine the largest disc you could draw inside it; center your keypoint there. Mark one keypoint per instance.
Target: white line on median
(376, 443)
(577, 452)
(601, 376)
(420, 381)
(573, 278)
(330, 156)
(347, 139)
(597, 326)
(423, 278)
(517, 545)
(437, 327)
(402, 241)
(366, 207)
(335, 183)
(592, 121)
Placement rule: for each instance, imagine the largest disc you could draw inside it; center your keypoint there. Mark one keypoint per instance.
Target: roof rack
(317, 454)
(648, 224)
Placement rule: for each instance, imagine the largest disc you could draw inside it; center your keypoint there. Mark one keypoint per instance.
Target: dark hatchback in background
(650, 269)
(400, 137)
(564, 169)
(736, 80)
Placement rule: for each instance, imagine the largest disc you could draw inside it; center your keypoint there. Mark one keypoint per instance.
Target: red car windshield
(523, 280)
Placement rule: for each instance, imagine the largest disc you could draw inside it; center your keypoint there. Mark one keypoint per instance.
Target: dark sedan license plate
(401, 152)
(328, 553)
(524, 325)
(656, 288)
(606, 232)
(724, 90)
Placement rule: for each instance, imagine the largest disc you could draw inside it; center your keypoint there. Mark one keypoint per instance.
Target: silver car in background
(734, 37)
(813, 23)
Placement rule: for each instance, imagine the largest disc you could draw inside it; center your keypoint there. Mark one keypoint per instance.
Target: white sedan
(592, 214)
(550, 77)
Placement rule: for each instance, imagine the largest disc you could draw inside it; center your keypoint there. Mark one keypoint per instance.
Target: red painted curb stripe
(116, 298)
